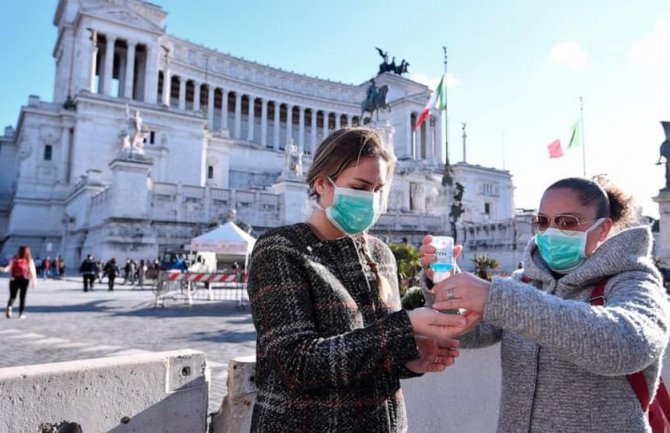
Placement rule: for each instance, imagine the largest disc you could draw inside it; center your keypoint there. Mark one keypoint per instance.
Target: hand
(435, 355)
(427, 251)
(463, 290)
(431, 323)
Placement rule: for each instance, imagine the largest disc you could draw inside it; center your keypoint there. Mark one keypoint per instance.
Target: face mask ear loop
(316, 202)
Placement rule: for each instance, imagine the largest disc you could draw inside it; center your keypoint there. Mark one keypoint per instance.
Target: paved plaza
(63, 323)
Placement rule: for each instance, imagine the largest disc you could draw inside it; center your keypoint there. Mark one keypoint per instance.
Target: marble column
(224, 109)
(313, 142)
(326, 124)
(408, 136)
(196, 96)
(289, 123)
(109, 66)
(238, 114)
(129, 79)
(250, 118)
(301, 127)
(210, 107)
(430, 138)
(275, 142)
(264, 122)
(182, 93)
(94, 62)
(167, 81)
(337, 121)
(151, 75)
(350, 119)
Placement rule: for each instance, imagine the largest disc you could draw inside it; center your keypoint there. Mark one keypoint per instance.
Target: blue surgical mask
(353, 211)
(563, 250)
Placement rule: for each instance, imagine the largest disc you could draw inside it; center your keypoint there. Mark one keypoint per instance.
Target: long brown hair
(24, 253)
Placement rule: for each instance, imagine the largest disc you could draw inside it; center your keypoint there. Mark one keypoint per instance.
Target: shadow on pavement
(210, 309)
(223, 336)
(102, 305)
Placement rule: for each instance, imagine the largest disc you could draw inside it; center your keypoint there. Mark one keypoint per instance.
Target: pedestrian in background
(22, 273)
(88, 270)
(46, 267)
(112, 271)
(141, 272)
(61, 267)
(99, 271)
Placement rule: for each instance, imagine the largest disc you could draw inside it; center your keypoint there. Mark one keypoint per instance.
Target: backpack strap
(636, 380)
(662, 397)
(598, 294)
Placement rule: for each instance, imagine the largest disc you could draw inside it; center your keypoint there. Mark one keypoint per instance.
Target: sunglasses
(561, 222)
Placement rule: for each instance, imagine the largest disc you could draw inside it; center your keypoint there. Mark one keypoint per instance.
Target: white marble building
(215, 130)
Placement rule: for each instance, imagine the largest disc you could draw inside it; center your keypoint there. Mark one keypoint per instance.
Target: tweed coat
(564, 361)
(329, 352)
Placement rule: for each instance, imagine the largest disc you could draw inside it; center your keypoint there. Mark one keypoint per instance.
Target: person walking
(112, 271)
(99, 271)
(61, 267)
(46, 267)
(22, 272)
(141, 273)
(88, 270)
(583, 326)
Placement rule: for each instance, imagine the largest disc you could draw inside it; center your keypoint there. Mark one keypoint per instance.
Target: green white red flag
(437, 101)
(555, 150)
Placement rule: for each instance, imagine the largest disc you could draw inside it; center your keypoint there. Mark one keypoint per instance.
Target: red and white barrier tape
(216, 277)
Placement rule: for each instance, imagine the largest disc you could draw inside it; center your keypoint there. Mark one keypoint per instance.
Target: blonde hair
(344, 148)
(383, 286)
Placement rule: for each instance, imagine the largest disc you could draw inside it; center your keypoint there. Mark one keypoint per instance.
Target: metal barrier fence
(190, 286)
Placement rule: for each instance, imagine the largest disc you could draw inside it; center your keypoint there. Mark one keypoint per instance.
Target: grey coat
(564, 362)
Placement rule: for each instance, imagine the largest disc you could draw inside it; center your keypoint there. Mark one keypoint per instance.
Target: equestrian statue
(375, 100)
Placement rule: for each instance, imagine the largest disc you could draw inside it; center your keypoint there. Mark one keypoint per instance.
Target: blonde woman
(332, 340)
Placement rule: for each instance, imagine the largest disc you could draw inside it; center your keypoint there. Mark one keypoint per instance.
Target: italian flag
(437, 102)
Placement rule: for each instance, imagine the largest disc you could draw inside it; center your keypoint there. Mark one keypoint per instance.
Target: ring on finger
(450, 294)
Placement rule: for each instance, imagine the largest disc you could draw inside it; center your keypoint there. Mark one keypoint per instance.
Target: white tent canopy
(228, 239)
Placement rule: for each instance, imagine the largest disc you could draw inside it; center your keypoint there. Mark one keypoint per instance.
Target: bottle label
(444, 252)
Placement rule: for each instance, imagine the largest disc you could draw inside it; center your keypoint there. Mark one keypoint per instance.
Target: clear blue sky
(517, 69)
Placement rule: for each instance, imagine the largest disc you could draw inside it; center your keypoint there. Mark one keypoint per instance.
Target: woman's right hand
(432, 323)
(427, 251)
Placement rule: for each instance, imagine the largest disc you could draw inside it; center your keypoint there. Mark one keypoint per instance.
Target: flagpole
(581, 120)
(446, 179)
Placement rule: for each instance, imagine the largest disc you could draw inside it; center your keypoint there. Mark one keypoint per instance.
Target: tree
(407, 258)
(484, 265)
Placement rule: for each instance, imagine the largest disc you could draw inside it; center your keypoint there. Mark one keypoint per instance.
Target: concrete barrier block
(158, 392)
(236, 408)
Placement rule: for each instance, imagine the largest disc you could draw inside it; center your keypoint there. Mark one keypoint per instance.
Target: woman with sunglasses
(565, 360)
(332, 341)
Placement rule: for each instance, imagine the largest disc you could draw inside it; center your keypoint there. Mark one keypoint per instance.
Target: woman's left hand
(463, 290)
(435, 355)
